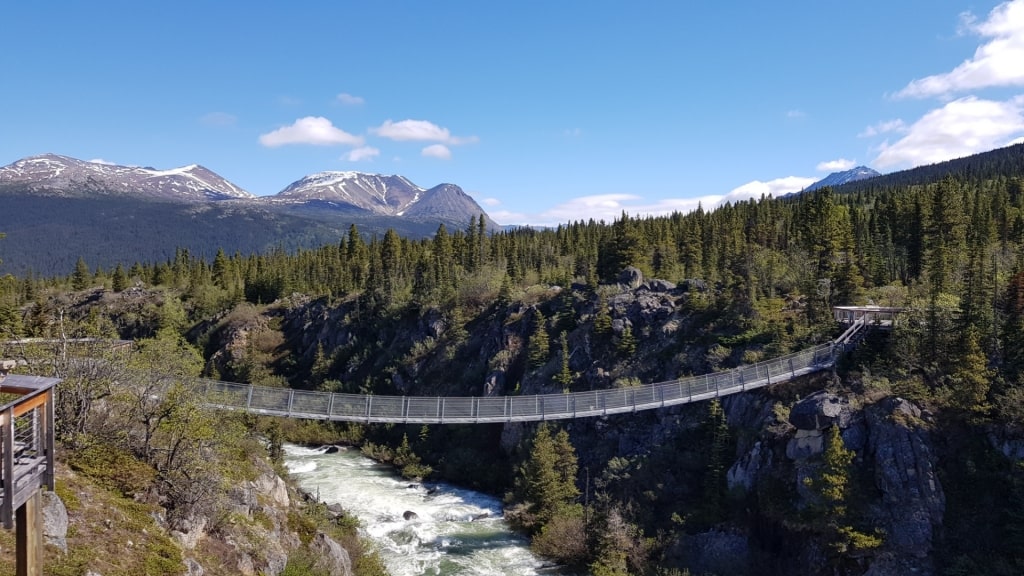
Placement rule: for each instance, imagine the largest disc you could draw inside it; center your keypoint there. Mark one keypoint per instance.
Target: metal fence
(451, 410)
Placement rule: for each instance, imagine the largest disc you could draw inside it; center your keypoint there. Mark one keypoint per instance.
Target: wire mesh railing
(440, 410)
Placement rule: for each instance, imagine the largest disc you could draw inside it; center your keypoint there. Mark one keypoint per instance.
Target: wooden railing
(26, 441)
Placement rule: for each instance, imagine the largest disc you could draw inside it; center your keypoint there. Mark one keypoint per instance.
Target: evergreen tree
(545, 484)
(81, 276)
(119, 282)
(717, 444)
(538, 348)
(564, 376)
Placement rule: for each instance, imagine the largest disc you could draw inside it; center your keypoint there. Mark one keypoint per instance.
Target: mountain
(55, 209)
(52, 174)
(375, 193)
(845, 177)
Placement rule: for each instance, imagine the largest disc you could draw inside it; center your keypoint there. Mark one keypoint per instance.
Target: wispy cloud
(960, 128)
(997, 62)
(313, 130)
(419, 130)
(490, 202)
(883, 128)
(437, 151)
(795, 114)
(572, 132)
(218, 119)
(102, 161)
(362, 153)
(350, 100)
(837, 165)
(609, 207)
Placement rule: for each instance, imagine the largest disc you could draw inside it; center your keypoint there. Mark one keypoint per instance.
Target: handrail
(484, 409)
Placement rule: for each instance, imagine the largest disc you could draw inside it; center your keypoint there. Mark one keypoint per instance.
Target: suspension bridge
(364, 408)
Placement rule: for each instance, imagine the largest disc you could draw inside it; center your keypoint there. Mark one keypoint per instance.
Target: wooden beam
(29, 546)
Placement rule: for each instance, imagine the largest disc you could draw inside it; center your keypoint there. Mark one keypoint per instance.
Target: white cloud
(960, 128)
(775, 188)
(218, 119)
(795, 114)
(883, 128)
(362, 153)
(419, 130)
(998, 62)
(491, 202)
(837, 165)
(102, 161)
(437, 151)
(350, 100)
(609, 207)
(315, 130)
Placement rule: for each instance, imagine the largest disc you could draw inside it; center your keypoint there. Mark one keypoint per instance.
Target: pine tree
(602, 319)
(81, 276)
(546, 482)
(717, 443)
(564, 377)
(539, 347)
(119, 282)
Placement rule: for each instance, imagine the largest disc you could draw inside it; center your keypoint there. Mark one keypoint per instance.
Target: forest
(470, 312)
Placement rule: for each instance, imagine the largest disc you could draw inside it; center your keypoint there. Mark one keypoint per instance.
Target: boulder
(660, 286)
(330, 556)
(55, 521)
(271, 487)
(819, 411)
(694, 285)
(410, 515)
(805, 444)
(631, 277)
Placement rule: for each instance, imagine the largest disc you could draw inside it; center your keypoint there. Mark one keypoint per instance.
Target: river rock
(330, 556)
(55, 521)
(819, 411)
(410, 515)
(483, 516)
(905, 474)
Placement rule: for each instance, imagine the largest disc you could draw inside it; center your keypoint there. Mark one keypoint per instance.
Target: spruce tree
(81, 276)
(539, 347)
(564, 377)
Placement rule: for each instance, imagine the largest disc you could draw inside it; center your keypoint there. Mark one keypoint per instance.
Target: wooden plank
(31, 404)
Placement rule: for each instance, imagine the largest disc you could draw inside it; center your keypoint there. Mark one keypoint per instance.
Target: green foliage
(545, 484)
(538, 350)
(565, 375)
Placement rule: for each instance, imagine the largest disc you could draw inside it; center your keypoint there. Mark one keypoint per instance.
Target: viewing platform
(26, 460)
(883, 317)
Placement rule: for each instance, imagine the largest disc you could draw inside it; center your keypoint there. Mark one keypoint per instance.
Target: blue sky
(545, 112)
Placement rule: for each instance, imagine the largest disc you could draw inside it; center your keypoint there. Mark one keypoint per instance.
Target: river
(442, 539)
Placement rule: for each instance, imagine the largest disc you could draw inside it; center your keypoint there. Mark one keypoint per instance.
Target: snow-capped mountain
(61, 175)
(384, 196)
(838, 178)
(376, 193)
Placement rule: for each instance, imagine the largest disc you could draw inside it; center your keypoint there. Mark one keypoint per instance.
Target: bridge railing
(421, 409)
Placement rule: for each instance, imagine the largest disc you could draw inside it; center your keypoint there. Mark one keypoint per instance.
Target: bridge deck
(477, 410)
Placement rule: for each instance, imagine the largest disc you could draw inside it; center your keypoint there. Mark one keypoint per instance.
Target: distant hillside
(1005, 162)
(55, 209)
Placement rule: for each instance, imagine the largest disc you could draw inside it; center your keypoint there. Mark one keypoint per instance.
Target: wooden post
(30, 536)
